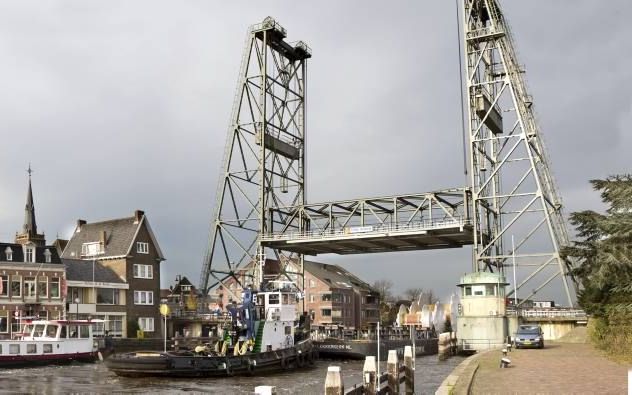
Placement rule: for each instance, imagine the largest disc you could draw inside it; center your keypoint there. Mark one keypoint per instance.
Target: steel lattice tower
(513, 192)
(264, 159)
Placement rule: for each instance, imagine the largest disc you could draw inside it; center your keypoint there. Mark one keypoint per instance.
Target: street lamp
(77, 303)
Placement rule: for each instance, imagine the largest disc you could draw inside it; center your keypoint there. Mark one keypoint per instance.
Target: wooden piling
(369, 376)
(392, 369)
(409, 362)
(333, 381)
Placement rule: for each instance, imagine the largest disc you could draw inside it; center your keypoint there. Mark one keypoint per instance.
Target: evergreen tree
(603, 253)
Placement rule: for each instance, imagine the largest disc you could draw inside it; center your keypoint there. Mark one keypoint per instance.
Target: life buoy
(251, 367)
(229, 369)
(300, 360)
(283, 363)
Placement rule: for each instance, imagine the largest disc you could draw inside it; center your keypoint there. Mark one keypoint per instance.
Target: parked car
(529, 336)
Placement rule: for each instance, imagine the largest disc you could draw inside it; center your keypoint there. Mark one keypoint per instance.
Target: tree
(428, 297)
(383, 287)
(413, 294)
(602, 256)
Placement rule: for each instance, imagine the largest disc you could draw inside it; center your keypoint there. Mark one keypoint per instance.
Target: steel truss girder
(439, 219)
(512, 185)
(264, 159)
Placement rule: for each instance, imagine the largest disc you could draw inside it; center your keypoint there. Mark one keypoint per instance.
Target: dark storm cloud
(124, 105)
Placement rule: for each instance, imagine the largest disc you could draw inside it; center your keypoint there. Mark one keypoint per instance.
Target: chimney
(104, 238)
(138, 214)
(80, 223)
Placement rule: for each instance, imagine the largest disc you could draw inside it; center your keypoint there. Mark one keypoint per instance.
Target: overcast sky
(124, 105)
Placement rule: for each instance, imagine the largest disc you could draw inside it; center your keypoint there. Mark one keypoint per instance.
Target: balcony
(84, 308)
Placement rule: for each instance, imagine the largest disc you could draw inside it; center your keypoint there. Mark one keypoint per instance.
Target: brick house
(31, 276)
(128, 248)
(334, 297)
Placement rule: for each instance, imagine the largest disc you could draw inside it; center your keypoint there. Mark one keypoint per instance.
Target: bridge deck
(367, 239)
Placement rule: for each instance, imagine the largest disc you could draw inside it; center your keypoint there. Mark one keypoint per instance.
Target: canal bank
(559, 367)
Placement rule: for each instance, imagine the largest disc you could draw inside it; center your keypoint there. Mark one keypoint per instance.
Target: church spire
(29, 229)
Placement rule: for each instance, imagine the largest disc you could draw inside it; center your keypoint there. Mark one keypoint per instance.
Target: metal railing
(354, 231)
(555, 313)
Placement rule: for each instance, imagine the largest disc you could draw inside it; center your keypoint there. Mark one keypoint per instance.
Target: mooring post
(369, 376)
(409, 362)
(265, 390)
(392, 369)
(333, 381)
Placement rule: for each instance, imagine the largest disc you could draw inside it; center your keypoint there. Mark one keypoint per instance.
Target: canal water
(96, 378)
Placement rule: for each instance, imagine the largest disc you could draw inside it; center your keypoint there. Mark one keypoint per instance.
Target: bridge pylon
(264, 160)
(515, 201)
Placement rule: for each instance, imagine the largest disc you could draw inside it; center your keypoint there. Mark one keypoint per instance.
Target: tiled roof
(119, 236)
(80, 270)
(336, 276)
(18, 253)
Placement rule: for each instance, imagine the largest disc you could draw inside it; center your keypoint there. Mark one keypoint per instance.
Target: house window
(325, 312)
(42, 285)
(16, 286)
(326, 298)
(54, 287)
(4, 321)
(312, 299)
(107, 296)
(143, 271)
(29, 287)
(142, 247)
(144, 297)
(467, 291)
(146, 324)
(9, 253)
(29, 256)
(4, 285)
(91, 249)
(47, 256)
(312, 284)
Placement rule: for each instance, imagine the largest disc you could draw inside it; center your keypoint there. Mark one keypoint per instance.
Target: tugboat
(45, 342)
(262, 336)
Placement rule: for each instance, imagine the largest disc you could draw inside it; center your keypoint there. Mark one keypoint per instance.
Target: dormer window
(142, 247)
(91, 249)
(9, 253)
(29, 254)
(47, 255)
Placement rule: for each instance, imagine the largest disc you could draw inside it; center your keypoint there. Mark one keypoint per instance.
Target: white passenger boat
(48, 343)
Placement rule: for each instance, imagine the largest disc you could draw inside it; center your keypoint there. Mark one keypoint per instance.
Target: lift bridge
(510, 213)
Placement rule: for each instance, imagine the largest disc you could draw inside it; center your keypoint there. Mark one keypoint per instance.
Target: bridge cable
(458, 30)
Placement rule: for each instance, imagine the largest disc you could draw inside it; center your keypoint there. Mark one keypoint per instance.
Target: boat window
(47, 348)
(27, 330)
(62, 334)
(14, 348)
(84, 331)
(51, 330)
(31, 348)
(0, 349)
(288, 330)
(39, 330)
(73, 331)
(273, 299)
(292, 298)
(261, 300)
(285, 299)
(468, 291)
